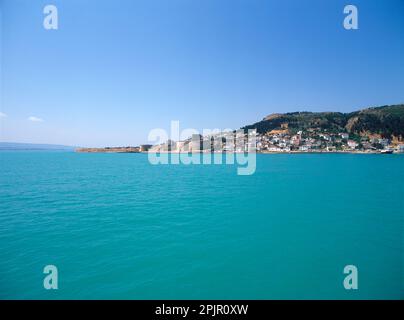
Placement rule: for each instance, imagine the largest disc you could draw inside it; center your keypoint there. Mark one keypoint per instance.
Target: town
(371, 130)
(281, 141)
(314, 141)
(275, 141)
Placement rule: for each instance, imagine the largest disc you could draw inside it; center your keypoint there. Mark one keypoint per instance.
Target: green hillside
(387, 121)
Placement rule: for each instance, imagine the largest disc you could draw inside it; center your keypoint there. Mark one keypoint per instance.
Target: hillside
(384, 121)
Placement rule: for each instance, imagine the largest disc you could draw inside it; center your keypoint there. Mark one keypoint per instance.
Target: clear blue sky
(117, 69)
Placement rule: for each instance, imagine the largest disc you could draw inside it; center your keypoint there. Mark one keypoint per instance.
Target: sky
(114, 70)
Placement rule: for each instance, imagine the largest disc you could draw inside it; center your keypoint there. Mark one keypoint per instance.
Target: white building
(384, 142)
(352, 144)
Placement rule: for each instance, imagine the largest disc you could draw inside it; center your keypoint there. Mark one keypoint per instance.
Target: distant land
(33, 146)
(375, 129)
(110, 150)
(371, 130)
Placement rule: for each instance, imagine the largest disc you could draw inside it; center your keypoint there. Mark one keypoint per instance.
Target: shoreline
(112, 150)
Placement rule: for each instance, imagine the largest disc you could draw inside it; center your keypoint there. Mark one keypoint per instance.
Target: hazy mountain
(33, 146)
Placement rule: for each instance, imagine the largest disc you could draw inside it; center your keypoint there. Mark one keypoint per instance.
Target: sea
(114, 226)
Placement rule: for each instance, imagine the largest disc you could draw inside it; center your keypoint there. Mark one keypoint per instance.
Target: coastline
(131, 150)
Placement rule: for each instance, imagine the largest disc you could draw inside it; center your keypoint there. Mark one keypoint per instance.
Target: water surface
(117, 227)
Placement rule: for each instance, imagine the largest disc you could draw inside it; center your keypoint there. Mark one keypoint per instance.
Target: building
(326, 137)
(296, 140)
(384, 142)
(145, 147)
(180, 146)
(196, 143)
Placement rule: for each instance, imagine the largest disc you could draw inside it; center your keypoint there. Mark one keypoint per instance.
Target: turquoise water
(117, 227)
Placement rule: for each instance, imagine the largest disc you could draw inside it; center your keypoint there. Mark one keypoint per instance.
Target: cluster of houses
(280, 141)
(312, 141)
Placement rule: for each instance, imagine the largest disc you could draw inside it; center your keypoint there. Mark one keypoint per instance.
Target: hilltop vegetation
(384, 121)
